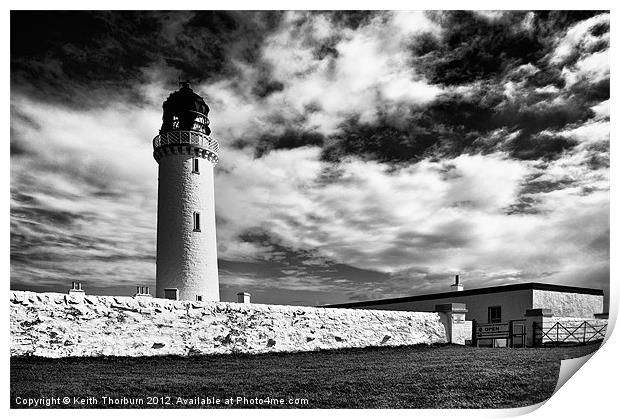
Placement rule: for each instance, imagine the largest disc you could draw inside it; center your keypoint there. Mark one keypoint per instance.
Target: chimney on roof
(76, 289)
(243, 297)
(142, 291)
(457, 286)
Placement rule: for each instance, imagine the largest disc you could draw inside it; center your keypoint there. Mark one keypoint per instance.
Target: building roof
(476, 291)
(185, 99)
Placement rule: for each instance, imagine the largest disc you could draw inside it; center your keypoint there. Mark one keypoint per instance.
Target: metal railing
(193, 138)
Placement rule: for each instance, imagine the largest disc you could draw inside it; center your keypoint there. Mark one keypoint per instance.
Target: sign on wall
(493, 331)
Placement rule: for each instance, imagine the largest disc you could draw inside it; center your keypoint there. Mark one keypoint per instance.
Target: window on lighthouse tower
(195, 167)
(196, 221)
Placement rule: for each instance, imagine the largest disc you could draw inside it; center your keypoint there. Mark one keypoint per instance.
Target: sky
(364, 155)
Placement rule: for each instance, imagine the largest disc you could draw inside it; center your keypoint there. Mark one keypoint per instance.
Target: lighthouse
(186, 243)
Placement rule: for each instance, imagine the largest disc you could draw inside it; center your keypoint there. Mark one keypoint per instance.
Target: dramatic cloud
(82, 195)
(364, 154)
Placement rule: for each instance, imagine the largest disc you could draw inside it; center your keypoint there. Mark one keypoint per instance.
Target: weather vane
(183, 83)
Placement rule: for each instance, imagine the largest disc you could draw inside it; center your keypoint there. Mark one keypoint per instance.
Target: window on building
(199, 298)
(195, 167)
(196, 221)
(495, 314)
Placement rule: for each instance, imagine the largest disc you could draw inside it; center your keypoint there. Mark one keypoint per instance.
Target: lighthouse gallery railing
(194, 138)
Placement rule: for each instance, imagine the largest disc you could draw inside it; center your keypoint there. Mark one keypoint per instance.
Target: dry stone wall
(58, 325)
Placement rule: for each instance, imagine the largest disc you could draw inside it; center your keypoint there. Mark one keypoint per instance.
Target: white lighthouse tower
(186, 244)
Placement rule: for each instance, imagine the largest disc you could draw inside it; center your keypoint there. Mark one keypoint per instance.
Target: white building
(186, 240)
(540, 307)
(502, 303)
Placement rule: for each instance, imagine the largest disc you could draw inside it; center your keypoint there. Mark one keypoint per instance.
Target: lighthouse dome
(184, 110)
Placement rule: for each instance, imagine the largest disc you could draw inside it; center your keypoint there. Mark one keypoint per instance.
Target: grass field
(403, 377)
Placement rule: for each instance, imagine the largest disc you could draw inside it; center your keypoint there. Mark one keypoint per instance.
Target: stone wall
(58, 325)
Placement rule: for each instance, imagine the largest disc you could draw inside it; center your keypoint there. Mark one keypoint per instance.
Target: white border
(590, 393)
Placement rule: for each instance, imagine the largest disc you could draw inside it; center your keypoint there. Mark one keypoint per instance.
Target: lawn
(401, 377)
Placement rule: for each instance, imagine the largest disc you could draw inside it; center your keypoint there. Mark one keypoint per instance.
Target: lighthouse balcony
(191, 142)
(193, 138)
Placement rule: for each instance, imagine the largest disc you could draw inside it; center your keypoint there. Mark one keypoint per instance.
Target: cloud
(583, 37)
(364, 155)
(593, 68)
(434, 217)
(84, 58)
(477, 46)
(82, 194)
(332, 72)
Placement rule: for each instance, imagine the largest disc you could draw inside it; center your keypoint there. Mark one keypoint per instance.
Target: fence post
(511, 330)
(474, 334)
(584, 332)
